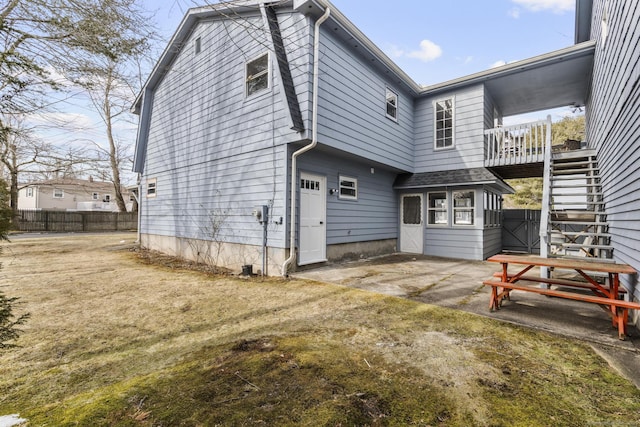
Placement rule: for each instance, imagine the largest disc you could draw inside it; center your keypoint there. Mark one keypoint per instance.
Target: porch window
(463, 207)
(58, 193)
(443, 123)
(392, 104)
(437, 212)
(348, 188)
(492, 209)
(151, 187)
(257, 74)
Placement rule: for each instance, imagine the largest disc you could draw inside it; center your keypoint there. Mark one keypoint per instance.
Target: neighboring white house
(71, 194)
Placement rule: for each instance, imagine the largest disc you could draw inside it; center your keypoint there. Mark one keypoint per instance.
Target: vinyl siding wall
(352, 107)
(613, 123)
(469, 125)
(374, 216)
(212, 149)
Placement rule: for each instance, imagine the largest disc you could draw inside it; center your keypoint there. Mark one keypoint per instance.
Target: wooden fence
(61, 221)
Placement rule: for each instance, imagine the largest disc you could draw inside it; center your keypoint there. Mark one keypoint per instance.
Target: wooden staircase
(577, 221)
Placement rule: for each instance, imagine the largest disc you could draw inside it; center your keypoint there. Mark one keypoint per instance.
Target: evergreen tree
(8, 321)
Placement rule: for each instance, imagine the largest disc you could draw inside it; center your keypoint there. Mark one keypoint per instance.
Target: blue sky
(431, 40)
(434, 40)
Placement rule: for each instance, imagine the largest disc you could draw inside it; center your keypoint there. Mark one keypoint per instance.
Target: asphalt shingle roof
(448, 178)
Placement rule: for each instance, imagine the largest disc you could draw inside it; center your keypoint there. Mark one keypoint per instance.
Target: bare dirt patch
(121, 337)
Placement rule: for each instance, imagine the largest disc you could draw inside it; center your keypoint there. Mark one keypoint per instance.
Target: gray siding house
(276, 134)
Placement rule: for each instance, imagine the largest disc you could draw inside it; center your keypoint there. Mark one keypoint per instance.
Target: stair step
(580, 233)
(589, 223)
(584, 162)
(574, 178)
(574, 212)
(574, 154)
(575, 185)
(556, 171)
(582, 258)
(580, 245)
(579, 194)
(601, 202)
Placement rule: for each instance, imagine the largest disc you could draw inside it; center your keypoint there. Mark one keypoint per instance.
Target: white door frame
(312, 237)
(412, 235)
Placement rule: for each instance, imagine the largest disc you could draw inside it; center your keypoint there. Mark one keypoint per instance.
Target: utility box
(261, 213)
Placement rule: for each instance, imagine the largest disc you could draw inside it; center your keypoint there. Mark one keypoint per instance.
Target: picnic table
(608, 295)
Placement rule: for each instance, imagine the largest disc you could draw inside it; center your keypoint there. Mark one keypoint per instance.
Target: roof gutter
(311, 146)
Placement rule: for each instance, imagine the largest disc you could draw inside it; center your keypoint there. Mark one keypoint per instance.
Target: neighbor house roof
(72, 183)
(450, 178)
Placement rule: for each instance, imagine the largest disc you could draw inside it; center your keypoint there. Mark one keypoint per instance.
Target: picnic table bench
(608, 295)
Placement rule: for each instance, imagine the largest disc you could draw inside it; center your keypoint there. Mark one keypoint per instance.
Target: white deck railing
(518, 144)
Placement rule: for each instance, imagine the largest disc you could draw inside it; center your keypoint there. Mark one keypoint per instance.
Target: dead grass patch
(120, 337)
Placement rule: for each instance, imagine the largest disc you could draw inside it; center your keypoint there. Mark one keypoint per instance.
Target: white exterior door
(313, 218)
(411, 224)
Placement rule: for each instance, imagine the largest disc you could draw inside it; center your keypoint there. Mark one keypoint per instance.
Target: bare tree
(104, 62)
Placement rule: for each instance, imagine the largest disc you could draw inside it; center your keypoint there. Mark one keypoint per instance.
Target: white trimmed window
(198, 45)
(95, 196)
(29, 191)
(151, 187)
(443, 123)
(58, 193)
(257, 74)
(492, 209)
(392, 104)
(437, 210)
(348, 188)
(107, 198)
(463, 207)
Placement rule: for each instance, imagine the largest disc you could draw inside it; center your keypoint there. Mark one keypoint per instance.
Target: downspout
(139, 202)
(311, 146)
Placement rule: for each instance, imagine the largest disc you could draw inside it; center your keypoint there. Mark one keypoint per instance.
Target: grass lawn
(116, 338)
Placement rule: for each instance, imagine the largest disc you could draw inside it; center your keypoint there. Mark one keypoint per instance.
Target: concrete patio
(457, 284)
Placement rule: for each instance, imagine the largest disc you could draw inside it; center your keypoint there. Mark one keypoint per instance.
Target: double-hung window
(443, 123)
(257, 74)
(348, 188)
(29, 191)
(58, 193)
(437, 210)
(392, 104)
(463, 207)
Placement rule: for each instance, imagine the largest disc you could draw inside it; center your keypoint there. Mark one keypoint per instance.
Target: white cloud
(556, 6)
(468, 60)
(514, 13)
(499, 63)
(394, 51)
(428, 51)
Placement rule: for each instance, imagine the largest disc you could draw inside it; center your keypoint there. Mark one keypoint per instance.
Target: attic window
(198, 45)
(257, 72)
(151, 187)
(392, 104)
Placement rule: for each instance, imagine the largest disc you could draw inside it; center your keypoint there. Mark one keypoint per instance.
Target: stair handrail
(546, 194)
